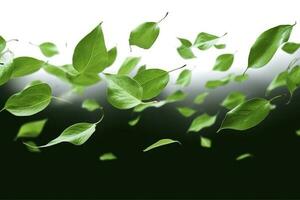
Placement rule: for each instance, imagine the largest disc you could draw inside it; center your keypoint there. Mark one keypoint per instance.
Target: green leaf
(243, 156)
(25, 65)
(185, 42)
(2, 44)
(153, 81)
(123, 92)
(200, 98)
(32, 147)
(155, 104)
(223, 62)
(48, 49)
(134, 121)
(186, 111)
(233, 99)
(185, 52)
(58, 72)
(107, 157)
(84, 79)
(29, 101)
(201, 122)
(90, 54)
(290, 47)
(144, 35)
(160, 143)
(278, 81)
(298, 132)
(267, 44)
(7, 68)
(184, 78)
(293, 79)
(220, 46)
(247, 114)
(31, 129)
(176, 96)
(205, 40)
(217, 83)
(241, 78)
(205, 142)
(90, 105)
(128, 65)
(141, 68)
(112, 55)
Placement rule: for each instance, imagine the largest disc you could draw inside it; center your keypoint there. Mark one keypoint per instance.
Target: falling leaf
(184, 78)
(290, 47)
(90, 105)
(186, 111)
(176, 96)
(25, 65)
(278, 81)
(205, 142)
(233, 99)
(31, 129)
(134, 121)
(241, 78)
(160, 143)
(107, 157)
(205, 40)
(200, 98)
(201, 122)
(223, 62)
(48, 49)
(2, 44)
(128, 65)
(243, 156)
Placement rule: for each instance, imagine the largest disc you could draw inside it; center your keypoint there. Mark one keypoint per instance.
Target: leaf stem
(276, 97)
(163, 17)
(245, 71)
(177, 68)
(62, 100)
(102, 116)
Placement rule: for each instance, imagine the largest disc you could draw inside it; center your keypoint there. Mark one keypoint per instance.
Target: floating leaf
(202, 121)
(243, 156)
(58, 72)
(186, 111)
(112, 55)
(205, 142)
(200, 98)
(107, 156)
(298, 132)
(25, 65)
(205, 40)
(220, 46)
(185, 52)
(31, 129)
(153, 81)
(293, 79)
(90, 105)
(155, 104)
(160, 143)
(241, 78)
(32, 147)
(223, 62)
(84, 79)
(123, 92)
(185, 42)
(290, 47)
(2, 44)
(233, 99)
(128, 65)
(278, 81)
(48, 49)
(217, 83)
(176, 96)
(6, 69)
(29, 101)
(134, 121)
(184, 78)
(266, 45)
(247, 114)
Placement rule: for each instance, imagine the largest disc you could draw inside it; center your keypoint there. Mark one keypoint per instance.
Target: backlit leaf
(31, 129)
(202, 122)
(160, 143)
(243, 156)
(128, 65)
(184, 78)
(186, 111)
(233, 99)
(223, 62)
(48, 49)
(290, 47)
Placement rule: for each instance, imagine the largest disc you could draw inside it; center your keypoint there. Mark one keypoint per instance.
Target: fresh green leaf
(123, 92)
(185, 52)
(56, 71)
(186, 111)
(290, 47)
(185, 42)
(134, 121)
(205, 40)
(128, 65)
(233, 99)
(90, 105)
(31, 129)
(217, 83)
(160, 143)
(144, 35)
(29, 101)
(201, 122)
(176, 96)
(220, 46)
(25, 65)
(246, 115)
(48, 49)
(241, 78)
(2, 44)
(200, 98)
(107, 157)
(184, 78)
(278, 81)
(205, 142)
(266, 45)
(153, 81)
(243, 156)
(223, 62)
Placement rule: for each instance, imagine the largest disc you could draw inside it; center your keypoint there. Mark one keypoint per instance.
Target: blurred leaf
(290, 47)
(160, 143)
(31, 129)
(243, 156)
(185, 42)
(128, 65)
(2, 43)
(7, 68)
(241, 78)
(84, 79)
(220, 46)
(233, 99)
(205, 40)
(278, 81)
(200, 98)
(202, 121)
(48, 49)
(134, 121)
(184, 78)
(176, 96)
(112, 55)
(141, 68)
(205, 142)
(223, 62)
(25, 65)
(186, 111)
(32, 147)
(217, 83)
(90, 105)
(142, 107)
(298, 132)
(107, 157)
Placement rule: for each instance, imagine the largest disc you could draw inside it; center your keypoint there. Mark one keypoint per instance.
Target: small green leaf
(2, 44)
(298, 132)
(155, 104)
(200, 98)
(184, 78)
(202, 122)
(185, 52)
(278, 81)
(32, 147)
(241, 78)
(25, 65)
(153, 81)
(48, 49)
(247, 115)
(217, 83)
(290, 47)
(128, 65)
(160, 143)
(220, 46)
(186, 111)
(107, 157)
(90, 105)
(185, 42)
(223, 62)
(243, 156)
(134, 121)
(176, 96)
(205, 142)
(233, 99)
(266, 45)
(205, 40)
(123, 92)
(31, 129)
(29, 101)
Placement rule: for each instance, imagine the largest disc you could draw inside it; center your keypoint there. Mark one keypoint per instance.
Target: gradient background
(187, 171)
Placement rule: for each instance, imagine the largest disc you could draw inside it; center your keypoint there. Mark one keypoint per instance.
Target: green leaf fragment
(241, 78)
(185, 52)
(243, 156)
(278, 81)
(201, 122)
(185, 42)
(205, 142)
(25, 65)
(220, 46)
(205, 41)
(160, 143)
(212, 84)
(143, 106)
(32, 147)
(2, 44)
(176, 96)
(134, 121)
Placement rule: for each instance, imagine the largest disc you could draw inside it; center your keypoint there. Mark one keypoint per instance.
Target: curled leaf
(160, 143)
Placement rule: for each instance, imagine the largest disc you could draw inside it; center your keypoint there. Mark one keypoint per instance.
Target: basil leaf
(134, 121)
(290, 47)
(185, 52)
(107, 157)
(205, 40)
(2, 44)
(25, 65)
(184, 78)
(31, 129)
(128, 65)
(160, 143)
(247, 114)
(233, 99)
(205, 142)
(153, 81)
(223, 62)
(243, 156)
(220, 46)
(278, 81)
(48, 49)
(241, 78)
(201, 122)
(144, 35)
(186, 111)
(123, 92)
(29, 101)
(90, 105)
(200, 98)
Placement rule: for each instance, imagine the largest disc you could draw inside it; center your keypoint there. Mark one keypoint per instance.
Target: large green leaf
(184, 78)
(25, 65)
(278, 81)
(48, 49)
(160, 143)
(233, 99)
(267, 44)
(29, 101)
(31, 129)
(202, 122)
(2, 44)
(247, 114)
(290, 47)
(128, 65)
(223, 62)
(123, 92)
(153, 81)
